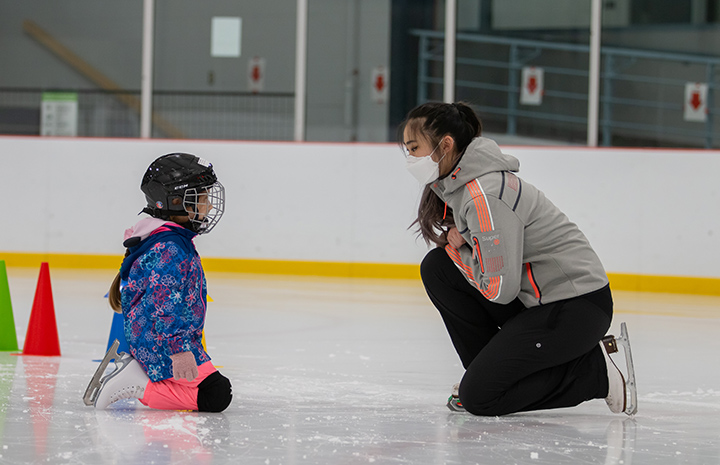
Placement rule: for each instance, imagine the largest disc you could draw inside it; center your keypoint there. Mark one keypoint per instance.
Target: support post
(300, 69)
(450, 32)
(147, 69)
(594, 73)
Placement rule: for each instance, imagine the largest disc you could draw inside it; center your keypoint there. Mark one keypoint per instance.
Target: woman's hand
(455, 238)
(184, 366)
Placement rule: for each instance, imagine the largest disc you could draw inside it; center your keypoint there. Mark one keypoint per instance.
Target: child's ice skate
(128, 380)
(453, 402)
(622, 392)
(91, 391)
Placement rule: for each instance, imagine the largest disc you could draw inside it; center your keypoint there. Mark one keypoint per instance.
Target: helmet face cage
(205, 206)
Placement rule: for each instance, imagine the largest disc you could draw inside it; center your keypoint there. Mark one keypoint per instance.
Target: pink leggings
(173, 394)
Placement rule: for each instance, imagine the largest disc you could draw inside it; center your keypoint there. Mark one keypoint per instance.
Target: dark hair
(114, 296)
(435, 120)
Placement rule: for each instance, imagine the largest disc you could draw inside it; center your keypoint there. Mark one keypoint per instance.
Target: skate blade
(91, 392)
(612, 346)
(624, 341)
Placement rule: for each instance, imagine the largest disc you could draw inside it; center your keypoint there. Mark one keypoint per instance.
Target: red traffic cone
(42, 335)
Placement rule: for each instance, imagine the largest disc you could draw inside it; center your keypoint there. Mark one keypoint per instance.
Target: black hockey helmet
(181, 184)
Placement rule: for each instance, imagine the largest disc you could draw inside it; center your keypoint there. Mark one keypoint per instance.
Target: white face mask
(425, 169)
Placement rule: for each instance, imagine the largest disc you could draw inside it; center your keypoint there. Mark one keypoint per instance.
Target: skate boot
(622, 393)
(127, 381)
(453, 402)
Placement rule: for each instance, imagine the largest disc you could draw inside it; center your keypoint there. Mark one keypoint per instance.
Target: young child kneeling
(163, 299)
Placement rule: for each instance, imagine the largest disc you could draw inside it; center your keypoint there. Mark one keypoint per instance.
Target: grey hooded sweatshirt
(518, 243)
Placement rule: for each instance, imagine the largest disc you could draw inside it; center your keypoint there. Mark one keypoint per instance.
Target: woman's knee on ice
(432, 263)
(214, 393)
(478, 401)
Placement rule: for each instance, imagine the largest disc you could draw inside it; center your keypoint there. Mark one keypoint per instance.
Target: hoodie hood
(481, 157)
(144, 228)
(148, 232)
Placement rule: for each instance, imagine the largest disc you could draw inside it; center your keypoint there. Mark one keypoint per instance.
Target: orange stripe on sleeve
(494, 282)
(479, 255)
(532, 280)
(481, 206)
(466, 270)
(493, 290)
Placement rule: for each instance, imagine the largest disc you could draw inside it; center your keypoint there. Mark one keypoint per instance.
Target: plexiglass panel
(524, 66)
(70, 68)
(224, 69)
(227, 69)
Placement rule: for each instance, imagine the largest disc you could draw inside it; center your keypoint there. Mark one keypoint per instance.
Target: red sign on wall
(532, 86)
(695, 101)
(379, 84)
(256, 75)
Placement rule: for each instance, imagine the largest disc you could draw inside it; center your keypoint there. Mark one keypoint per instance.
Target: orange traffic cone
(42, 335)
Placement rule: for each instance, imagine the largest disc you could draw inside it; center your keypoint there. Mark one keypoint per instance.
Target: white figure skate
(93, 388)
(622, 395)
(127, 381)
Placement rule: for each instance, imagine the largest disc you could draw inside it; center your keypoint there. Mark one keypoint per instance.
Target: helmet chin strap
(162, 214)
(198, 226)
(190, 226)
(193, 226)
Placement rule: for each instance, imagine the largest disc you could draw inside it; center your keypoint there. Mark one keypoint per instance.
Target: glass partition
(224, 69)
(524, 65)
(227, 69)
(348, 70)
(70, 68)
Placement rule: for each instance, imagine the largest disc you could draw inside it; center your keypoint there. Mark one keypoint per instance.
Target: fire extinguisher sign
(256, 75)
(533, 88)
(379, 84)
(696, 101)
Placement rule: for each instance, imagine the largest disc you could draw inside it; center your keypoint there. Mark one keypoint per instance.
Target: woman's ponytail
(470, 118)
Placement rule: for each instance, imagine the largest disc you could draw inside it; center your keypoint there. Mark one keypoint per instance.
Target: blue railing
(642, 92)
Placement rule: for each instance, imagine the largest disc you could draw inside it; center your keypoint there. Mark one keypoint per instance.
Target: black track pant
(519, 359)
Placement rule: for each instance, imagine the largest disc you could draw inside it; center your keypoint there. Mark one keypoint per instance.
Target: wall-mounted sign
(256, 74)
(696, 101)
(226, 34)
(531, 92)
(59, 114)
(379, 84)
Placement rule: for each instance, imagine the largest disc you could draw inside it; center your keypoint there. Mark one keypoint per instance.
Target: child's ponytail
(114, 296)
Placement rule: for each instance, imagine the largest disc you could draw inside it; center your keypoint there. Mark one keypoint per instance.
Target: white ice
(341, 371)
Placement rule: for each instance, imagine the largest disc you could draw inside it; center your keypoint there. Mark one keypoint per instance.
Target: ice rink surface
(341, 371)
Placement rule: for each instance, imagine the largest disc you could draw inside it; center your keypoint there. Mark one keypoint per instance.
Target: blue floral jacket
(164, 300)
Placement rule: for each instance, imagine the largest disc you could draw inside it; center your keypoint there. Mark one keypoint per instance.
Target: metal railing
(642, 92)
(194, 115)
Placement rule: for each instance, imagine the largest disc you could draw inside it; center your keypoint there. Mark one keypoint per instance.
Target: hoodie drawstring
(445, 211)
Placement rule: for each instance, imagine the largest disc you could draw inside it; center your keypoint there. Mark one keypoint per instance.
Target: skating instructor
(524, 297)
